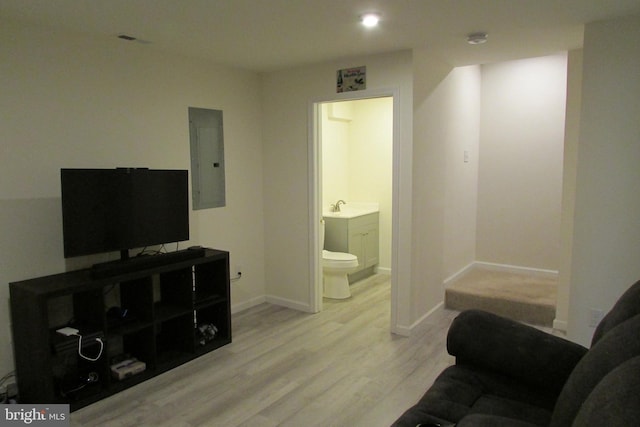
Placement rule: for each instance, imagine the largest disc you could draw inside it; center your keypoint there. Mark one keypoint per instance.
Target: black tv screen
(106, 210)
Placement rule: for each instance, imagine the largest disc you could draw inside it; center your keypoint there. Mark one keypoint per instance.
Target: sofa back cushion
(494, 343)
(614, 348)
(627, 306)
(616, 399)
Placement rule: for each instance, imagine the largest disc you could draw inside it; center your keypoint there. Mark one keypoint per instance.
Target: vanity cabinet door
(363, 239)
(371, 256)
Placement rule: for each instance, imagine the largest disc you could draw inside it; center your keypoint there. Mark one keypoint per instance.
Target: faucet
(336, 207)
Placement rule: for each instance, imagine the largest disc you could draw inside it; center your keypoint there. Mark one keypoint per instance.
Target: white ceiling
(267, 35)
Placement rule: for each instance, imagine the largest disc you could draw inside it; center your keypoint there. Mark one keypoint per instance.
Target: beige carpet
(530, 299)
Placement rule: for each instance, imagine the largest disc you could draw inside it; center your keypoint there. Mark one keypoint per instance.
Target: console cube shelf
(155, 315)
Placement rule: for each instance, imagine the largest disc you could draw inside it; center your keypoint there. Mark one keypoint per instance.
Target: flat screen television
(105, 210)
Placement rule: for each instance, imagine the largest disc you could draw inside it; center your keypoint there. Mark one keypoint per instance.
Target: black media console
(131, 326)
(129, 265)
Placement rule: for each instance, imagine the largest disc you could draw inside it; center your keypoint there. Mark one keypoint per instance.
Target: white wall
(440, 191)
(357, 148)
(372, 172)
(69, 101)
(461, 197)
(287, 96)
(72, 101)
(570, 164)
(445, 122)
(606, 239)
(509, 118)
(520, 174)
(336, 120)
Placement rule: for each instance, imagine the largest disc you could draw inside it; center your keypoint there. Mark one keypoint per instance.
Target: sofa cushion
(483, 420)
(616, 399)
(460, 390)
(627, 306)
(616, 347)
(508, 408)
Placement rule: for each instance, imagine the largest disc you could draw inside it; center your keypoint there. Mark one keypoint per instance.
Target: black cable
(7, 376)
(4, 397)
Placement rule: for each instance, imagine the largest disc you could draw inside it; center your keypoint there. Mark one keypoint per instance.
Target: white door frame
(315, 192)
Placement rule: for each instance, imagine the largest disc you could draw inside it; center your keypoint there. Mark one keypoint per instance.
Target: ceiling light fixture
(477, 38)
(370, 20)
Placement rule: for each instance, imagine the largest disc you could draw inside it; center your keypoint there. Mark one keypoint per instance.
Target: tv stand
(126, 265)
(150, 318)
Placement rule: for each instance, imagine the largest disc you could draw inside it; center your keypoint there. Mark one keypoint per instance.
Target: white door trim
(315, 192)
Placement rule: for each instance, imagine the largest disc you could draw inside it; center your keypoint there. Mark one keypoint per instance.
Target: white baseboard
(455, 276)
(383, 270)
(403, 331)
(236, 308)
(283, 302)
(560, 325)
(516, 269)
(406, 331)
(295, 305)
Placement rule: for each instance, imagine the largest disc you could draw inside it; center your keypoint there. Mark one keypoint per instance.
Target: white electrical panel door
(207, 158)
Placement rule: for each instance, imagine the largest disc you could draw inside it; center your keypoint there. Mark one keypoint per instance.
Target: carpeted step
(519, 297)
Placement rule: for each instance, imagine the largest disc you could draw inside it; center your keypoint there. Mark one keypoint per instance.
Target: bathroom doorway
(352, 160)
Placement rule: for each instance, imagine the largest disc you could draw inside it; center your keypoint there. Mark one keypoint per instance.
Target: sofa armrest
(481, 339)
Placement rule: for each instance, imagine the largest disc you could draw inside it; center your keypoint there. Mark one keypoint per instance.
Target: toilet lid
(338, 256)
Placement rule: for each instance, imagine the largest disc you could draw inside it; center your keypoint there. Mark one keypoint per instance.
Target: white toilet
(335, 267)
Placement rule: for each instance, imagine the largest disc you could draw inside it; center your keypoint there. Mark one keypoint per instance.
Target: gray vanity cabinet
(358, 236)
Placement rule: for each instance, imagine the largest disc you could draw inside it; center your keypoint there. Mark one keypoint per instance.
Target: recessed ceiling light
(370, 20)
(477, 38)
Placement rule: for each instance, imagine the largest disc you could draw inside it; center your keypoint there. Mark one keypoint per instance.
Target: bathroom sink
(352, 210)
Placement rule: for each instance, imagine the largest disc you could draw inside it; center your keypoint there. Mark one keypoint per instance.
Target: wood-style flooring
(341, 367)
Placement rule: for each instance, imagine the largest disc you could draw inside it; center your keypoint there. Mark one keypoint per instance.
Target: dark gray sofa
(510, 374)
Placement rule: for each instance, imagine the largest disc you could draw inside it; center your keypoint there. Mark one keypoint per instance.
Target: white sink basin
(352, 210)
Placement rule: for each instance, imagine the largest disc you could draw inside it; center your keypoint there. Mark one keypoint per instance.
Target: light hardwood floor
(341, 367)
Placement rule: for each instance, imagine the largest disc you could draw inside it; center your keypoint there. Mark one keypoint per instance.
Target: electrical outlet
(236, 273)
